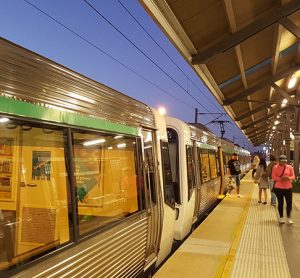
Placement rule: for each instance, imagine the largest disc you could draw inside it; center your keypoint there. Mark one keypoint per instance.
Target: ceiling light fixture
(94, 142)
(292, 82)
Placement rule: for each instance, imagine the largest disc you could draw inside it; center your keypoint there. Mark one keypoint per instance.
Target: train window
(106, 179)
(190, 163)
(205, 167)
(213, 165)
(174, 159)
(167, 175)
(34, 204)
(149, 164)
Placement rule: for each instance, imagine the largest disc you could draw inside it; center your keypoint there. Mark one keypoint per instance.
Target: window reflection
(190, 169)
(205, 169)
(150, 164)
(167, 175)
(34, 203)
(174, 160)
(213, 165)
(106, 179)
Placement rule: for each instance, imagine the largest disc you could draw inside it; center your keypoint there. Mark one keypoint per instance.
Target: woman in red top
(283, 175)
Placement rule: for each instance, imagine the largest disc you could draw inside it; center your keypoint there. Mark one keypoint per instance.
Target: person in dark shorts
(283, 175)
(234, 170)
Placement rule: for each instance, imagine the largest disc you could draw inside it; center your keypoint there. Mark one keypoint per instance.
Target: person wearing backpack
(234, 171)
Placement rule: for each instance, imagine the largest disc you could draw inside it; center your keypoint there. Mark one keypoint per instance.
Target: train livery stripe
(24, 109)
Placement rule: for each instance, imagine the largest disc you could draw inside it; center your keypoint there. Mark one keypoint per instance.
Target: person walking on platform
(234, 170)
(262, 177)
(283, 175)
(273, 162)
(255, 164)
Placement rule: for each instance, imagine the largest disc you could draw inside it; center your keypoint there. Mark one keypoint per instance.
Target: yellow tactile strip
(210, 248)
(260, 251)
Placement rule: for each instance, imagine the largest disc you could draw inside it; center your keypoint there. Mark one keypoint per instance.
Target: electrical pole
(200, 113)
(222, 127)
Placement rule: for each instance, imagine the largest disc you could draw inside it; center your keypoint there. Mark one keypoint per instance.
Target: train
(94, 183)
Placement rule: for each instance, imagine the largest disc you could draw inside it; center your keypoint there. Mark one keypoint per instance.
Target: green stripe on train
(29, 110)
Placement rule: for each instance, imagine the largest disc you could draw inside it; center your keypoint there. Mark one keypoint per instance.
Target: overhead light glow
(292, 136)
(120, 146)
(276, 122)
(94, 142)
(162, 110)
(118, 136)
(292, 82)
(4, 120)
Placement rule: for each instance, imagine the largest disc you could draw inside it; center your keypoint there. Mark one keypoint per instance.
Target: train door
(198, 182)
(221, 170)
(152, 193)
(42, 202)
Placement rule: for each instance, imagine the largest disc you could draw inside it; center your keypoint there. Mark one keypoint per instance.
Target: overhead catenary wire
(153, 39)
(142, 52)
(161, 48)
(107, 54)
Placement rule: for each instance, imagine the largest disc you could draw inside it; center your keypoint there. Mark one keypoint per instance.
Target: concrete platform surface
(240, 238)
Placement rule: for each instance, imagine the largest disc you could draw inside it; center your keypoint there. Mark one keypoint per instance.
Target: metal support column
(278, 146)
(296, 140)
(296, 153)
(287, 136)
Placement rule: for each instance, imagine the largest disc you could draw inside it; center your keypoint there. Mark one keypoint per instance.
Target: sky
(107, 41)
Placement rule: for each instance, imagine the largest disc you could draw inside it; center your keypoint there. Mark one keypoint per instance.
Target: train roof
(201, 126)
(32, 78)
(204, 136)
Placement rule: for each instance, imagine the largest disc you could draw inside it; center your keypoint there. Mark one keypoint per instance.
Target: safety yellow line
(225, 267)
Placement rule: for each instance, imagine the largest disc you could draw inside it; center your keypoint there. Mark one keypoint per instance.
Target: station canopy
(247, 53)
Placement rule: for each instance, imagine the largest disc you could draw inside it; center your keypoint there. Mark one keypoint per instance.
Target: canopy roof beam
(262, 84)
(238, 52)
(256, 134)
(262, 129)
(250, 113)
(258, 121)
(283, 93)
(290, 26)
(232, 40)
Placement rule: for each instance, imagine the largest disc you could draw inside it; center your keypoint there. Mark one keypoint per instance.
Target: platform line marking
(261, 252)
(225, 267)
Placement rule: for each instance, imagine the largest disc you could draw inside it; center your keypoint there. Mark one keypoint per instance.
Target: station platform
(240, 238)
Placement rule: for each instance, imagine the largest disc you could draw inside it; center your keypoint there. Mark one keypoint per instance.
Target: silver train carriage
(195, 170)
(92, 182)
(81, 175)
